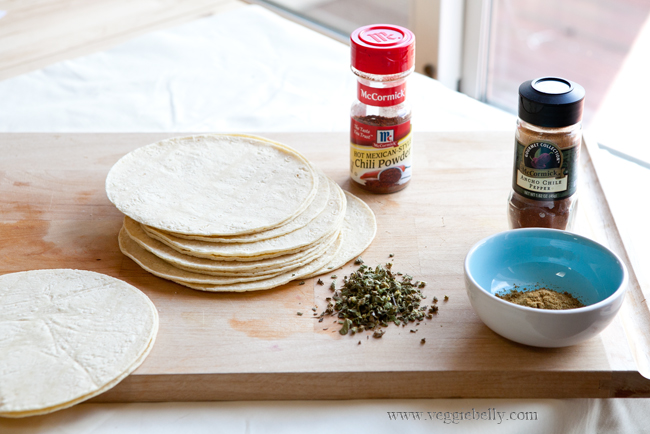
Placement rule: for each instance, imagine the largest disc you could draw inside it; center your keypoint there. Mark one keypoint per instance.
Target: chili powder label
(544, 171)
(380, 156)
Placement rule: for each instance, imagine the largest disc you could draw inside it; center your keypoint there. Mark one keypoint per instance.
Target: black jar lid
(551, 102)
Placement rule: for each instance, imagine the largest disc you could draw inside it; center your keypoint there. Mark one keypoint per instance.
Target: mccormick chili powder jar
(383, 56)
(547, 150)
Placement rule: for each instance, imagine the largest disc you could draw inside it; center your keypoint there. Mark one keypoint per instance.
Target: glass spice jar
(547, 151)
(383, 56)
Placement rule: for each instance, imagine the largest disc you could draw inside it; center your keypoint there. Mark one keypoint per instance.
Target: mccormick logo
(385, 136)
(382, 98)
(385, 139)
(384, 36)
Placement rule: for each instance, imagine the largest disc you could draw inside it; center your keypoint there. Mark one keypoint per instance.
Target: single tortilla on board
(212, 185)
(326, 223)
(68, 335)
(160, 268)
(358, 231)
(205, 265)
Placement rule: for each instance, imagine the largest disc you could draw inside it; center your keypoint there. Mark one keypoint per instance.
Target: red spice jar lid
(382, 49)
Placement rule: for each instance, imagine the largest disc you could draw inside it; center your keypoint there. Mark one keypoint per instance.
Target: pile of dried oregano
(372, 298)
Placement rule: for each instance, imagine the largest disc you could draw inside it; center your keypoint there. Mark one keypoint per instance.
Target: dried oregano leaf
(371, 298)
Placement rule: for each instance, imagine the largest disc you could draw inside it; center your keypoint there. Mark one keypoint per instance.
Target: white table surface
(249, 70)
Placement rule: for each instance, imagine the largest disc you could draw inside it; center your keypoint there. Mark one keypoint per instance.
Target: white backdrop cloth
(249, 70)
(246, 70)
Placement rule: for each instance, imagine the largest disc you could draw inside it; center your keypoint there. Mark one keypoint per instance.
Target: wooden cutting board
(54, 214)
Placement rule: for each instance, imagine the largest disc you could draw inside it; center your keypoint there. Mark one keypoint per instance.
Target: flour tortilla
(204, 265)
(313, 210)
(160, 268)
(212, 185)
(358, 231)
(326, 223)
(66, 336)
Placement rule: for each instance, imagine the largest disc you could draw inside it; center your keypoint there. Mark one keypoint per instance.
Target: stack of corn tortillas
(66, 336)
(234, 213)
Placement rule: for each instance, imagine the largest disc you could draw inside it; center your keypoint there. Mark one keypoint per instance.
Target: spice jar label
(381, 96)
(380, 155)
(544, 171)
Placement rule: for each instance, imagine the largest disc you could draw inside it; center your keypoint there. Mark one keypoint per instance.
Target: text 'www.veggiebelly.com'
(456, 417)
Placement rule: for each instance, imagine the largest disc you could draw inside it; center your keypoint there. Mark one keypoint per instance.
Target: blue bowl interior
(538, 258)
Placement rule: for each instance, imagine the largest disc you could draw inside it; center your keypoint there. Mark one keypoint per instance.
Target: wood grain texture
(54, 213)
(37, 33)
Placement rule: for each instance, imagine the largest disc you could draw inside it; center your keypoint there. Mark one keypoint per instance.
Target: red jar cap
(382, 49)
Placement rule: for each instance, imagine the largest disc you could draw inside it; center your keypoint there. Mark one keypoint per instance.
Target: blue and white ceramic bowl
(535, 258)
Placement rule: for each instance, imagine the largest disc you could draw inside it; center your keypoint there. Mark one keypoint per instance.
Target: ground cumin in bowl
(516, 282)
(541, 298)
